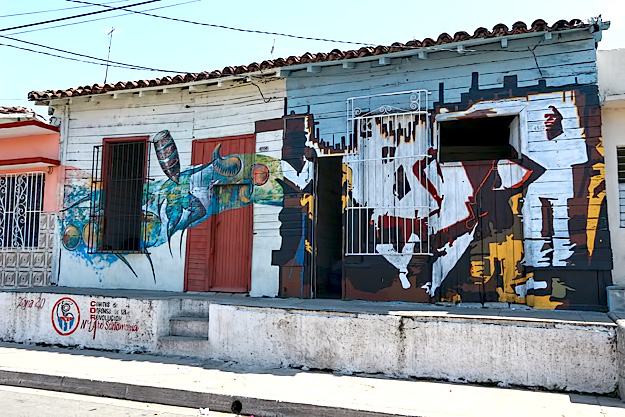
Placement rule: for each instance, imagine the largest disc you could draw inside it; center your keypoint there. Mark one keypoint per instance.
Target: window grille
(119, 191)
(620, 156)
(388, 206)
(21, 204)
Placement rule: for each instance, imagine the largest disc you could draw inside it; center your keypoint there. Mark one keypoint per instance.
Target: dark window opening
(119, 209)
(476, 139)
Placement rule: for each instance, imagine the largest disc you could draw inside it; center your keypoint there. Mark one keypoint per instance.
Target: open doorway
(328, 236)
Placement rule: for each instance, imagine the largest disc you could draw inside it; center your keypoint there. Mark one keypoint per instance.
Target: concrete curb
(180, 397)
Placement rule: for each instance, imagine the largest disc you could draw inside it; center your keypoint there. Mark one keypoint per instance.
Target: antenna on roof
(273, 47)
(106, 74)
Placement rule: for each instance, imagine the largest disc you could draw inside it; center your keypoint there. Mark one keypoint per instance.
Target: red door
(219, 250)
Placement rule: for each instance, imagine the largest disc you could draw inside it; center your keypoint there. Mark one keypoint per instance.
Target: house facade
(29, 169)
(462, 169)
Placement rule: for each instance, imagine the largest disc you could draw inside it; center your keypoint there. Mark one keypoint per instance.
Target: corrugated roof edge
(499, 30)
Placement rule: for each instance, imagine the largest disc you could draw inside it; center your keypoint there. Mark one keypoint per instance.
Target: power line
(87, 56)
(229, 27)
(122, 65)
(56, 10)
(101, 18)
(110, 9)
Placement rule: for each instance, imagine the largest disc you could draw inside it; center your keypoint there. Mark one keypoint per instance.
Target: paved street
(26, 402)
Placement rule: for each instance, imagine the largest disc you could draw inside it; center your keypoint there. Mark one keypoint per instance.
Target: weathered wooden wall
(542, 240)
(220, 112)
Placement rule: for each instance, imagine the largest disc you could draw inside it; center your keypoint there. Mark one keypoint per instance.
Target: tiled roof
(15, 109)
(499, 30)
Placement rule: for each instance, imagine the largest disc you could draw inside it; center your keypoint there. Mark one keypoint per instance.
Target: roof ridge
(498, 30)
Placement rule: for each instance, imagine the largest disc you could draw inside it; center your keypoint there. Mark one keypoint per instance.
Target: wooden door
(219, 249)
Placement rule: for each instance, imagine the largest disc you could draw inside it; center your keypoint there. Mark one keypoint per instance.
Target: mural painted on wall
(181, 200)
(297, 166)
(528, 228)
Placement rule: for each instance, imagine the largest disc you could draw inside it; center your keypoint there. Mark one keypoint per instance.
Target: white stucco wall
(611, 67)
(552, 355)
(101, 322)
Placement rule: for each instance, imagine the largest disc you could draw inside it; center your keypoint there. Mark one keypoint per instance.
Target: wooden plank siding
(217, 112)
(566, 63)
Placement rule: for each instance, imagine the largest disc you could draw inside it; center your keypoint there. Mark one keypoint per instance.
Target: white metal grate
(388, 206)
(21, 204)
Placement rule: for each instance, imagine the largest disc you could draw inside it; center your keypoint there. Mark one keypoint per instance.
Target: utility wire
(112, 63)
(101, 18)
(110, 9)
(228, 27)
(56, 10)
(88, 56)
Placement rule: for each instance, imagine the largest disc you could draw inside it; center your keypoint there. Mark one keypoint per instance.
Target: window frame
(100, 213)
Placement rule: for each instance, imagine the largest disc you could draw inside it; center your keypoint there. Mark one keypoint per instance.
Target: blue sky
(157, 43)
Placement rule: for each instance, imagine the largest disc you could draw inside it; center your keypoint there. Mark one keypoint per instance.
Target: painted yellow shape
(477, 269)
(307, 201)
(347, 177)
(456, 298)
(558, 288)
(594, 205)
(506, 255)
(308, 246)
(542, 302)
(514, 203)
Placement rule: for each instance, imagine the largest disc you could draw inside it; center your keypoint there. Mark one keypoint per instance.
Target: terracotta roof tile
(15, 109)
(336, 54)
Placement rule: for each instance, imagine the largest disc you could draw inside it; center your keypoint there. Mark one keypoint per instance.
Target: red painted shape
(33, 160)
(45, 126)
(219, 250)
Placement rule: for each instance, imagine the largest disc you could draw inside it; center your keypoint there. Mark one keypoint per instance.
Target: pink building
(29, 172)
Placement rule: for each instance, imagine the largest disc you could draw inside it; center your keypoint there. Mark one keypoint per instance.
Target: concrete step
(183, 346)
(194, 307)
(189, 326)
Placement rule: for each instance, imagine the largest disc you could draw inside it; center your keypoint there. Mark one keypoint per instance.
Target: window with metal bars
(620, 156)
(386, 162)
(21, 204)
(119, 193)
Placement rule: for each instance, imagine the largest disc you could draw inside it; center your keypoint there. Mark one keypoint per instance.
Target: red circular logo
(65, 316)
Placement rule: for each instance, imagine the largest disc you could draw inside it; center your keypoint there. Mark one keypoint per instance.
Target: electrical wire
(101, 18)
(125, 66)
(56, 10)
(262, 32)
(110, 9)
(89, 56)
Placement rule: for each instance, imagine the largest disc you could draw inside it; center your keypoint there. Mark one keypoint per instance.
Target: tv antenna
(106, 74)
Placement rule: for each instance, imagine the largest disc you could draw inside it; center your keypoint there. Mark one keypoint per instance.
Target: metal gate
(388, 206)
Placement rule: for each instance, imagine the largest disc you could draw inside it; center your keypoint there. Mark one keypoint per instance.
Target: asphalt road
(26, 402)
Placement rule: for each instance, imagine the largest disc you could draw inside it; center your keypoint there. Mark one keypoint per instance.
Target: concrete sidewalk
(275, 392)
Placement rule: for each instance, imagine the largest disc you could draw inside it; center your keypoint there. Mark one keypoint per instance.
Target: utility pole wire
(117, 64)
(56, 10)
(102, 18)
(81, 60)
(88, 56)
(262, 32)
(108, 56)
(110, 9)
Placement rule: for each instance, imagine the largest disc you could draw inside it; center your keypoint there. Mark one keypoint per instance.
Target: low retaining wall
(92, 321)
(571, 356)
(561, 356)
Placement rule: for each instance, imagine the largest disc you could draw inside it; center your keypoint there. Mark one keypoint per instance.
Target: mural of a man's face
(553, 123)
